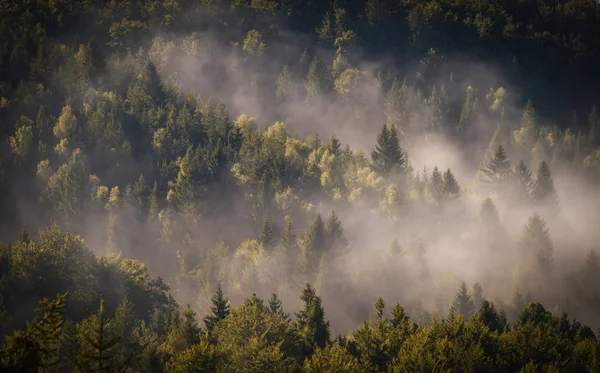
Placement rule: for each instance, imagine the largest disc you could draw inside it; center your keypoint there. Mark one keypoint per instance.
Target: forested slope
(330, 153)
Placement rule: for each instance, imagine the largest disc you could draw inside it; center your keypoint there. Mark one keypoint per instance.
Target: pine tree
(313, 245)
(468, 111)
(388, 154)
(489, 214)
(543, 191)
(535, 241)
(311, 323)
(276, 307)
(314, 81)
(450, 185)
(463, 303)
(498, 167)
(287, 242)
(150, 81)
(219, 309)
(36, 348)
(334, 146)
(266, 235)
(524, 183)
(98, 350)
(395, 104)
(335, 233)
(395, 249)
(284, 82)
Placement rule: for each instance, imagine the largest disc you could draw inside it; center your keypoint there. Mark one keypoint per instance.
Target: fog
(442, 245)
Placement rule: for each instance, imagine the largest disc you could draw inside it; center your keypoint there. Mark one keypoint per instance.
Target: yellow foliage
(592, 160)
(286, 198)
(44, 170)
(66, 124)
(62, 148)
(276, 133)
(245, 123)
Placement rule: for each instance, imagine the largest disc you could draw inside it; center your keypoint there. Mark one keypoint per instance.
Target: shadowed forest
(299, 186)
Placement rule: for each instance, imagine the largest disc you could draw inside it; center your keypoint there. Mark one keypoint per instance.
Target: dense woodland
(299, 185)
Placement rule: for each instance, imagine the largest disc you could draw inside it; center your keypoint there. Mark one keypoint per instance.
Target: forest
(299, 186)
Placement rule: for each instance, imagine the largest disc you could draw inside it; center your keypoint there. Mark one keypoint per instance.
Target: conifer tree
(266, 235)
(98, 349)
(395, 104)
(311, 323)
(36, 348)
(436, 186)
(336, 240)
(284, 82)
(276, 307)
(314, 81)
(535, 241)
(287, 242)
(313, 245)
(150, 81)
(543, 191)
(524, 183)
(497, 168)
(388, 153)
(491, 318)
(450, 185)
(219, 309)
(489, 215)
(463, 303)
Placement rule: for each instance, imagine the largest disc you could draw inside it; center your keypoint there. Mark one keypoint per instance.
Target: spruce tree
(450, 185)
(463, 303)
(287, 242)
(388, 153)
(523, 181)
(266, 235)
(335, 233)
(543, 191)
(36, 348)
(489, 214)
(276, 307)
(311, 323)
(497, 168)
(97, 353)
(535, 241)
(219, 309)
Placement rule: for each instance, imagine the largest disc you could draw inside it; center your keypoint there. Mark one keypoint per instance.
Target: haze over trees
(299, 186)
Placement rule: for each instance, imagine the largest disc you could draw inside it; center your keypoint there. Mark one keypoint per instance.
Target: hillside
(179, 160)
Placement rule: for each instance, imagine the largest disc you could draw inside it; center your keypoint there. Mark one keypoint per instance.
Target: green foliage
(311, 323)
(388, 154)
(36, 347)
(220, 309)
(463, 302)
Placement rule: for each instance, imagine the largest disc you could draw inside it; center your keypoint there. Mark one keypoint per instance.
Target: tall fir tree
(276, 307)
(535, 242)
(336, 240)
(220, 309)
(311, 323)
(388, 153)
(497, 168)
(463, 302)
(543, 190)
(266, 235)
